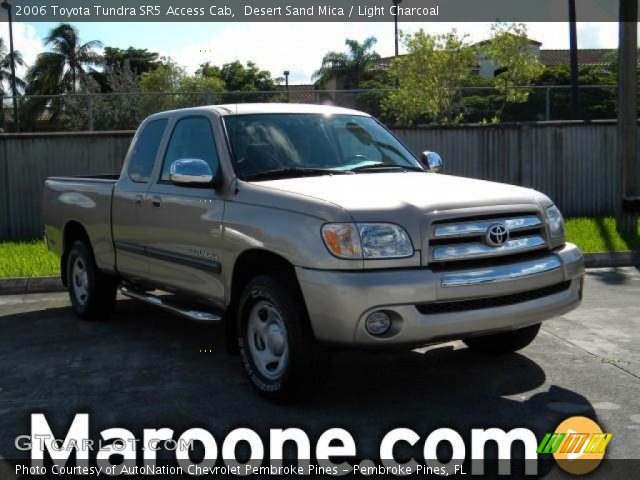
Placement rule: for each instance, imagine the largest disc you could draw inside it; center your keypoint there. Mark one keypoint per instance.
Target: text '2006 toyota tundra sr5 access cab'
(303, 227)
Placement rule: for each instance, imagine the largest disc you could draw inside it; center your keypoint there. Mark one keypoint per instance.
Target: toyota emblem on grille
(496, 235)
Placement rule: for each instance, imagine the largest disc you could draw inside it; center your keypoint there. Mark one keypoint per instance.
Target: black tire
(99, 289)
(306, 362)
(501, 343)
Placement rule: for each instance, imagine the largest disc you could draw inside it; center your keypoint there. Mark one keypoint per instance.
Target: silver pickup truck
(303, 227)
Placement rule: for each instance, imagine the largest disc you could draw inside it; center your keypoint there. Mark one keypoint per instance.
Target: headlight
(367, 240)
(556, 222)
(384, 240)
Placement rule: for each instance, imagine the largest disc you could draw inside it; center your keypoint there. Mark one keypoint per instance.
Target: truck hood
(367, 194)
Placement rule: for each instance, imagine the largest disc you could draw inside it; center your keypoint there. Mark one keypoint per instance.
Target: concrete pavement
(147, 368)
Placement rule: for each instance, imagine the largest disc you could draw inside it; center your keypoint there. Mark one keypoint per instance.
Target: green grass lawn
(599, 234)
(27, 259)
(32, 259)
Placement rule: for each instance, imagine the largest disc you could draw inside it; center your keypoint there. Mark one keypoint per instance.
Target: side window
(191, 138)
(145, 151)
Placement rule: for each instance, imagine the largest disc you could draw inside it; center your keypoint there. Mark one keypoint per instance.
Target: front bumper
(338, 302)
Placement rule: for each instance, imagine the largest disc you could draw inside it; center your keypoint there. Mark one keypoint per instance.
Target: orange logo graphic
(578, 445)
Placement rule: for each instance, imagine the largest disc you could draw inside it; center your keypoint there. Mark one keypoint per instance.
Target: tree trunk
(627, 215)
(573, 49)
(3, 120)
(504, 100)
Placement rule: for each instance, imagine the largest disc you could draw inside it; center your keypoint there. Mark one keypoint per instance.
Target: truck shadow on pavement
(613, 275)
(146, 368)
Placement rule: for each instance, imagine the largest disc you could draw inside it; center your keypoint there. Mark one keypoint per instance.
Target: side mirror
(190, 171)
(432, 161)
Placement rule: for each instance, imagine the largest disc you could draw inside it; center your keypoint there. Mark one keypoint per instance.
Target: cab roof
(262, 108)
(254, 108)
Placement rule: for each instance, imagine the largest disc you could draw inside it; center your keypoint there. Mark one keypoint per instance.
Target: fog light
(378, 323)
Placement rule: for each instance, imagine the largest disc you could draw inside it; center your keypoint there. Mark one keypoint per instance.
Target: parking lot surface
(145, 368)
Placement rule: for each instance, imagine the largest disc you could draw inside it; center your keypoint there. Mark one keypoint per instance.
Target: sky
(297, 47)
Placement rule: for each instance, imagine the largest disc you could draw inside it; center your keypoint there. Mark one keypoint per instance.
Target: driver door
(185, 221)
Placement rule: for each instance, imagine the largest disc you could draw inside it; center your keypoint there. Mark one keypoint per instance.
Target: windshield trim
(227, 140)
(233, 155)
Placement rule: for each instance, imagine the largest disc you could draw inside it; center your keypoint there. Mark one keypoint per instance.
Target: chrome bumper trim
(468, 251)
(479, 227)
(502, 273)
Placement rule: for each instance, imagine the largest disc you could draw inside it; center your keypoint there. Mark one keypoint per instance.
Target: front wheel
(507, 342)
(92, 293)
(277, 347)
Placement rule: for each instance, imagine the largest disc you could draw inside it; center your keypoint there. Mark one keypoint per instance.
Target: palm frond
(64, 33)
(45, 75)
(18, 58)
(90, 45)
(355, 65)
(368, 43)
(332, 63)
(67, 62)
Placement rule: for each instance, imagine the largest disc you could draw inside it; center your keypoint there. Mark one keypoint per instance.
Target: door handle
(156, 201)
(138, 200)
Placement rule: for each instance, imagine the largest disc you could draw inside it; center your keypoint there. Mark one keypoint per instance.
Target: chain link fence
(124, 111)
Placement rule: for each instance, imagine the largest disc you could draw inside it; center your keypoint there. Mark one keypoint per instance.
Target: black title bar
(309, 11)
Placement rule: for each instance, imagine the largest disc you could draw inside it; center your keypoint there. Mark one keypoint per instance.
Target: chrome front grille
(479, 227)
(459, 240)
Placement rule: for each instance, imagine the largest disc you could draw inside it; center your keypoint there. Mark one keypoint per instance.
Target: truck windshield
(280, 145)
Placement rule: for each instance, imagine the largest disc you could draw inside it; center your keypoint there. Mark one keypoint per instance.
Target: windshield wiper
(291, 172)
(386, 166)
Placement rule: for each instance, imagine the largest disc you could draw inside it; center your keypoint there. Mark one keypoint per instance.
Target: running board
(156, 301)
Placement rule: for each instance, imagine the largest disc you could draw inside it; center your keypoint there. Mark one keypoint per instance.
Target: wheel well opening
(73, 231)
(257, 262)
(248, 265)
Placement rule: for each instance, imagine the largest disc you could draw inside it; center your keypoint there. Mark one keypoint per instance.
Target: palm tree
(61, 70)
(5, 76)
(66, 66)
(354, 66)
(5, 68)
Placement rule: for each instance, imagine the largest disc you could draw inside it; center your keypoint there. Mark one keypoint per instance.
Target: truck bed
(85, 200)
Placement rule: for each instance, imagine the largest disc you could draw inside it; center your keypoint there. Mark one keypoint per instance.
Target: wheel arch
(73, 231)
(248, 265)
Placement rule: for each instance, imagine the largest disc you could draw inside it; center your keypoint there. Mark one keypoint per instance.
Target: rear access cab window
(145, 151)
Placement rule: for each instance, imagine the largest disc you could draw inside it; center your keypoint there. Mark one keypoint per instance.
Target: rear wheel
(92, 293)
(277, 347)
(501, 343)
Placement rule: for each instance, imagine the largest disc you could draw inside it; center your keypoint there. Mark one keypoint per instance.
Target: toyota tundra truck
(303, 228)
